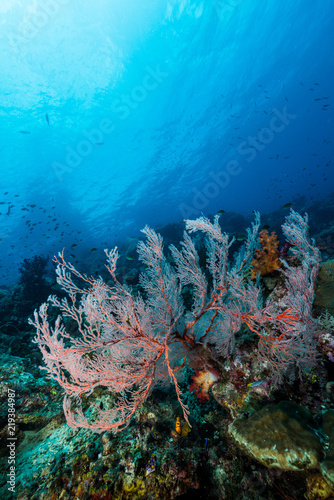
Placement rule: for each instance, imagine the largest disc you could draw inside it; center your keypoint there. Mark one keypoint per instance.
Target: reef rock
(324, 293)
(327, 465)
(280, 436)
(317, 488)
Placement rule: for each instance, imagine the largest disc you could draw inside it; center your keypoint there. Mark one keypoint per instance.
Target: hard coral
(266, 258)
(280, 435)
(202, 382)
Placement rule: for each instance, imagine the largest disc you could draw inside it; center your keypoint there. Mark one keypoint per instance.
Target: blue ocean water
(123, 113)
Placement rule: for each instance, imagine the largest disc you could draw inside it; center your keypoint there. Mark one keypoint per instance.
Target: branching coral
(32, 278)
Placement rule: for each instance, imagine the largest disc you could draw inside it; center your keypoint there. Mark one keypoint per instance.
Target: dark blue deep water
(124, 113)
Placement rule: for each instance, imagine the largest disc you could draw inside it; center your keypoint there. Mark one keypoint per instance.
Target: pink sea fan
(124, 338)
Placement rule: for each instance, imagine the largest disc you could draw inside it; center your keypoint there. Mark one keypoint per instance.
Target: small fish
(47, 119)
(74, 245)
(240, 237)
(178, 425)
(24, 132)
(220, 212)
(93, 249)
(255, 384)
(265, 226)
(151, 465)
(129, 257)
(287, 205)
(185, 429)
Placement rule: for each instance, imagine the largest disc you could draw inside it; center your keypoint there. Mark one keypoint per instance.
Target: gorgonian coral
(125, 337)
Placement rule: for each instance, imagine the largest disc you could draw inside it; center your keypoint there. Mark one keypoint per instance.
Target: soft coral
(266, 258)
(202, 381)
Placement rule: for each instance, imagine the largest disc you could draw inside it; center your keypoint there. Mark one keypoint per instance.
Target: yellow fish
(185, 429)
(178, 425)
